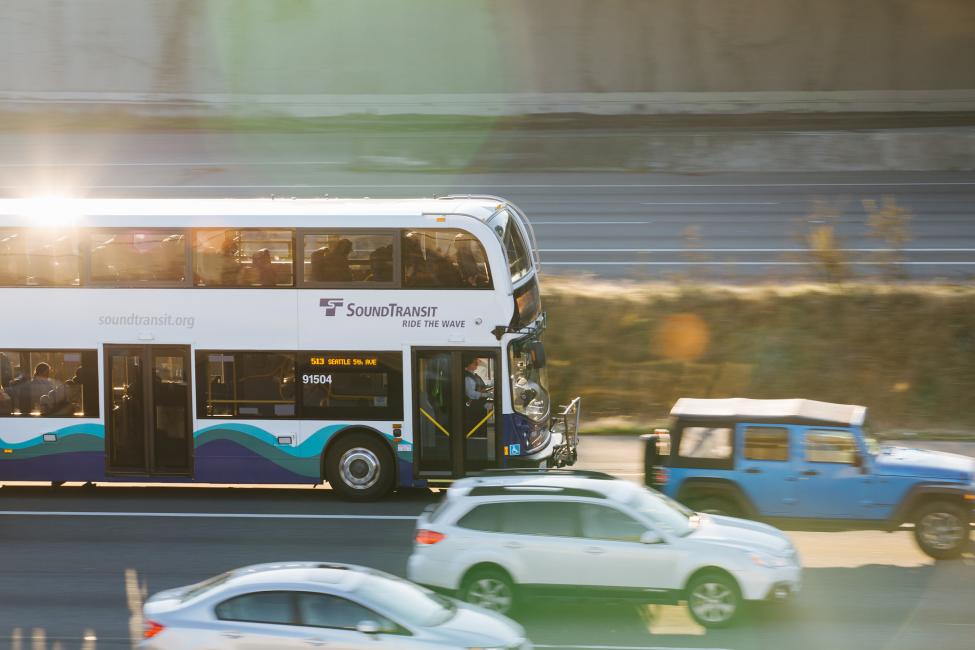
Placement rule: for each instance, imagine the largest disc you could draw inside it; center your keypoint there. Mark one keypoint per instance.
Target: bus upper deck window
(348, 258)
(444, 259)
(43, 257)
(243, 258)
(153, 256)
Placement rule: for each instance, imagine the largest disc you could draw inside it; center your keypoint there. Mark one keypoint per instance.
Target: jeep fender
(924, 493)
(698, 488)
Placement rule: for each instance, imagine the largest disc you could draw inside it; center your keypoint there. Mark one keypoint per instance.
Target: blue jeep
(806, 464)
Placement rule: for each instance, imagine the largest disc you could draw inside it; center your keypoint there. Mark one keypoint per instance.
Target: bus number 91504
(316, 379)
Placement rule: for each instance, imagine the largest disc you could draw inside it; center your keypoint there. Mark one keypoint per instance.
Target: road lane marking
(717, 203)
(199, 515)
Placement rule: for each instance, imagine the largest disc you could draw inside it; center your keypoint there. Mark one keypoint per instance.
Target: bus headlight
(530, 399)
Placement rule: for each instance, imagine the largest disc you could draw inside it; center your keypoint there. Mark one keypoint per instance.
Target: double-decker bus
(366, 343)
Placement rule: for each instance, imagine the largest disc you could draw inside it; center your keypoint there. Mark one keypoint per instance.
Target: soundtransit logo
(331, 304)
(388, 310)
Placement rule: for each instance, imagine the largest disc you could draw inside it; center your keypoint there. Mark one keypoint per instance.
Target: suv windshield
(664, 512)
(519, 261)
(406, 602)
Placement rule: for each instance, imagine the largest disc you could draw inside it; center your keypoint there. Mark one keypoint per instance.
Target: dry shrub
(907, 352)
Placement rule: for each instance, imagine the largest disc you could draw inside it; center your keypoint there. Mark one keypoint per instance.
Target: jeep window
(552, 519)
(827, 446)
(766, 443)
(602, 522)
(705, 442)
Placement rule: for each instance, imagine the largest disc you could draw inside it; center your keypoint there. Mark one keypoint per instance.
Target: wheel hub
(359, 468)
(941, 530)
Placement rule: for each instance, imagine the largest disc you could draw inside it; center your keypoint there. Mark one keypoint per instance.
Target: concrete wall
(491, 56)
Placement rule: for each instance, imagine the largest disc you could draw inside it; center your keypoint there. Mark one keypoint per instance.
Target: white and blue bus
(367, 343)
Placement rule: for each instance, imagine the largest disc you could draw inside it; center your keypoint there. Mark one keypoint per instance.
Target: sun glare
(50, 210)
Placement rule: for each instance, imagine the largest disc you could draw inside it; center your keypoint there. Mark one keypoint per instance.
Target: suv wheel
(489, 588)
(715, 506)
(713, 600)
(360, 467)
(941, 529)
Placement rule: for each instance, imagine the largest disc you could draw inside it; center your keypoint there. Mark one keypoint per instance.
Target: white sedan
(308, 604)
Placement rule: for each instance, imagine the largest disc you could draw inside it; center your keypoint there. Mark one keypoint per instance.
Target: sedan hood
(474, 626)
(924, 463)
(741, 533)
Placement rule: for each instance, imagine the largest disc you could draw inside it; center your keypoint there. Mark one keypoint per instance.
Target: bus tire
(359, 467)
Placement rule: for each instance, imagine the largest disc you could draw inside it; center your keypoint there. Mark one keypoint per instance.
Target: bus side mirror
(859, 463)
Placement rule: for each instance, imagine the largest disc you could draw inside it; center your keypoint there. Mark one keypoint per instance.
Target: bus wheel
(359, 467)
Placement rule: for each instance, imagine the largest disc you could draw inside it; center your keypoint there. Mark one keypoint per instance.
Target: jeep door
(766, 467)
(830, 484)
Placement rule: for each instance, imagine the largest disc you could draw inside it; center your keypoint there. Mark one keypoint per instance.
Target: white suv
(495, 539)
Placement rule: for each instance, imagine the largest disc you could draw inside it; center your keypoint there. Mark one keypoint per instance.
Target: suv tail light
(151, 629)
(424, 536)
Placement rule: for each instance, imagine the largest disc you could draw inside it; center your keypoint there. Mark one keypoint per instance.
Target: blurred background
(764, 198)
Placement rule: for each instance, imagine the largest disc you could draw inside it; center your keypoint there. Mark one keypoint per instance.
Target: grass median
(905, 351)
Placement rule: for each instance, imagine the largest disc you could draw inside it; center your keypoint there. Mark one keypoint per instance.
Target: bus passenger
(318, 264)
(335, 265)
(6, 403)
(468, 264)
(40, 384)
(477, 394)
(381, 264)
(263, 268)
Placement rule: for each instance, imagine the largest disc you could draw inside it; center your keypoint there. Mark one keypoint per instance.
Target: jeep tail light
(660, 476)
(424, 536)
(151, 629)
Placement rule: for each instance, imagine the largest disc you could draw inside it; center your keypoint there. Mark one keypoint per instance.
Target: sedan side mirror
(368, 627)
(651, 537)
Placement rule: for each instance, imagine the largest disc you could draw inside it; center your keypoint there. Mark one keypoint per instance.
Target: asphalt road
(730, 227)
(73, 572)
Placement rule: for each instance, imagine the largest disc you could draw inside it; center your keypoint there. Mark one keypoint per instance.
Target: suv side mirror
(368, 627)
(650, 537)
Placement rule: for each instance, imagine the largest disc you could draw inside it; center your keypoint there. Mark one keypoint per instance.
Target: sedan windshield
(665, 513)
(405, 602)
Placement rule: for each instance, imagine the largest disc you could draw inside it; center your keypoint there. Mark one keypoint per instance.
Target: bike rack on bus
(566, 423)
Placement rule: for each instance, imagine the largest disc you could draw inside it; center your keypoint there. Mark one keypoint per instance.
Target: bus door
(455, 427)
(148, 417)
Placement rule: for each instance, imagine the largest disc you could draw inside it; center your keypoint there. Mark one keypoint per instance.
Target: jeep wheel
(360, 467)
(713, 600)
(941, 529)
(489, 588)
(715, 506)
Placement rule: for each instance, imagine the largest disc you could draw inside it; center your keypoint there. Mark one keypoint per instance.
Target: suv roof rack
(528, 471)
(528, 490)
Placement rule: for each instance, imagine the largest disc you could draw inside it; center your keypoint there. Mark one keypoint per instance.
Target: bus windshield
(519, 261)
